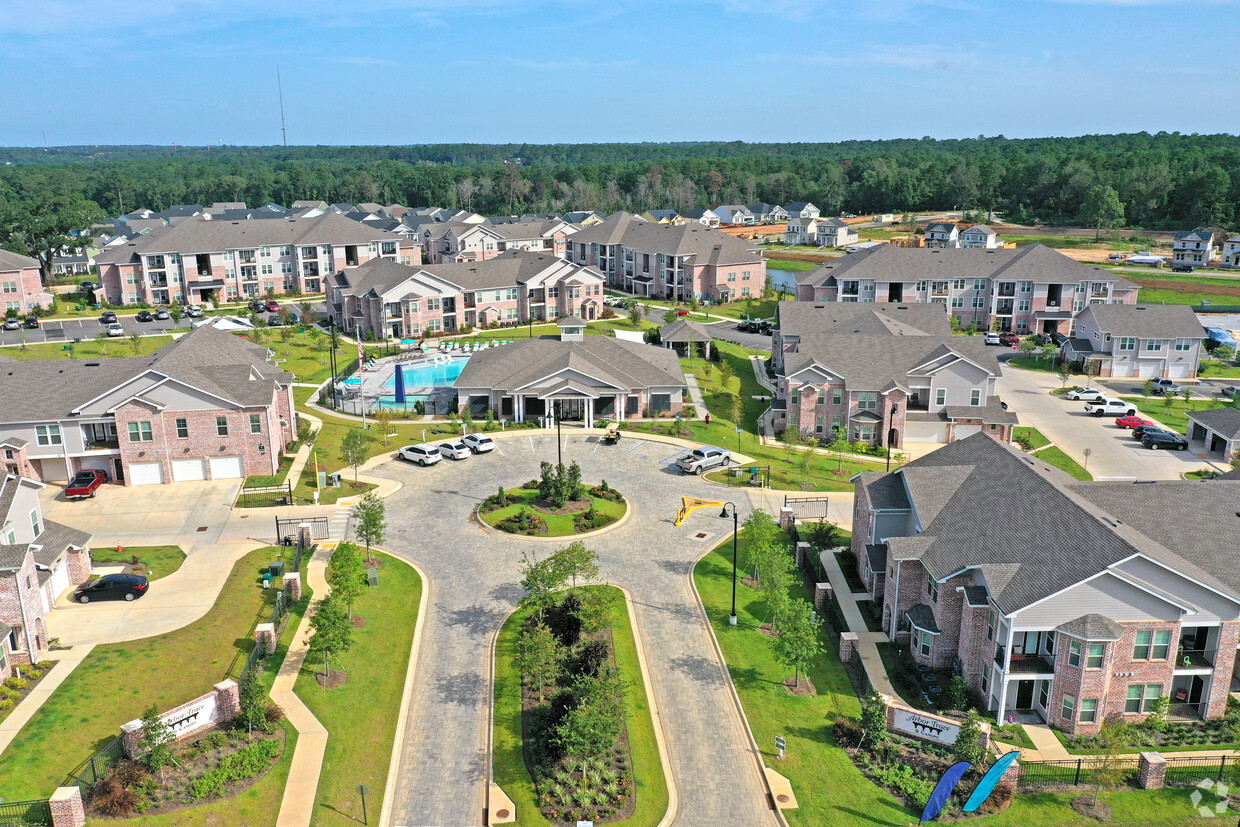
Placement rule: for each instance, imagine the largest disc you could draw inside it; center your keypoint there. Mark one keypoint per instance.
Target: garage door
(1179, 371)
(146, 473)
(925, 432)
(225, 468)
(187, 470)
(60, 579)
(103, 464)
(1150, 368)
(963, 431)
(1121, 369)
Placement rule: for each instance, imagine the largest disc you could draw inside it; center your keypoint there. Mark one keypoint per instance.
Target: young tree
(383, 423)
(575, 560)
(308, 314)
(692, 349)
(1186, 393)
(175, 313)
(317, 343)
(346, 575)
(635, 314)
(873, 719)
(1109, 766)
(539, 580)
(1092, 368)
(286, 334)
(647, 309)
(807, 457)
(102, 339)
(1147, 387)
(135, 342)
(1065, 373)
(332, 633)
(1224, 353)
(156, 741)
(797, 642)
(694, 304)
(252, 709)
(1028, 345)
(968, 746)
(539, 655)
(1050, 351)
(370, 520)
(670, 316)
(355, 449)
(726, 374)
(791, 437)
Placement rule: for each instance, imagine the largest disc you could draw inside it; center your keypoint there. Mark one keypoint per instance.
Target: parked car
(1115, 257)
(193, 311)
(1229, 390)
(747, 327)
(257, 306)
(112, 587)
(764, 327)
(1165, 440)
(1131, 421)
(86, 286)
(12, 324)
(1181, 267)
(454, 449)
(144, 316)
(32, 322)
(1085, 394)
(274, 320)
(115, 329)
(1221, 336)
(421, 454)
(85, 483)
(162, 314)
(991, 338)
(108, 317)
(1009, 339)
(1114, 407)
(1162, 385)
(479, 443)
(1140, 431)
(273, 306)
(680, 311)
(703, 459)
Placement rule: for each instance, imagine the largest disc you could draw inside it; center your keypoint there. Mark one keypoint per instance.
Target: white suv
(703, 459)
(421, 454)
(478, 443)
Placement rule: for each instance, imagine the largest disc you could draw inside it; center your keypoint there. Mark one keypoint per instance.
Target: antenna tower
(280, 87)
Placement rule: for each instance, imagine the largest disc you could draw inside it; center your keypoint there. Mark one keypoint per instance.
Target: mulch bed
(357, 622)
(804, 687)
(766, 629)
(1085, 806)
(334, 678)
(30, 685)
(749, 581)
(571, 507)
(126, 566)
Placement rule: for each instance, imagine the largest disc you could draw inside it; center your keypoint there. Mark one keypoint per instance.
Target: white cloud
(923, 57)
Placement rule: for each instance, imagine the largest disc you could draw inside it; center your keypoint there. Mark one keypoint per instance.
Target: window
(863, 433)
(979, 302)
(932, 589)
(958, 302)
(265, 269)
(975, 397)
(794, 397)
(1074, 653)
(1089, 710)
(182, 429)
(1141, 650)
(1023, 305)
(256, 424)
(985, 678)
(957, 284)
(1162, 642)
(1152, 645)
(920, 287)
(1069, 707)
(1127, 343)
(940, 396)
(990, 625)
(1153, 344)
(1026, 287)
(47, 434)
(867, 401)
(1183, 344)
(835, 424)
(923, 641)
(1095, 655)
(287, 251)
(140, 432)
(221, 426)
(10, 287)
(1141, 697)
(836, 396)
(979, 284)
(35, 523)
(822, 396)
(1044, 693)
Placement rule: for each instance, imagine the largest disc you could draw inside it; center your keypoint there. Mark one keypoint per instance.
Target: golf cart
(612, 436)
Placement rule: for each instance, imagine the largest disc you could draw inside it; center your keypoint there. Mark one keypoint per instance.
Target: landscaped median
(527, 511)
(629, 780)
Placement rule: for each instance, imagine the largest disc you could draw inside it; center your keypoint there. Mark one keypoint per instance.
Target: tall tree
(346, 575)
(370, 520)
(355, 449)
(797, 643)
(539, 655)
(44, 221)
(1102, 209)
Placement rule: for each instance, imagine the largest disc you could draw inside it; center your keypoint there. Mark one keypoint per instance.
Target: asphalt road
(727, 332)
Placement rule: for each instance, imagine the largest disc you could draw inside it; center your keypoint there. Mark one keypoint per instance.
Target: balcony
(1195, 659)
(101, 444)
(1030, 665)
(1006, 292)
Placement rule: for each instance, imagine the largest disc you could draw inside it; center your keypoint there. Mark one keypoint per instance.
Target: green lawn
(558, 525)
(1036, 438)
(286, 461)
(116, 682)
(1057, 458)
(1215, 369)
(508, 758)
(1032, 362)
(159, 561)
(361, 715)
(1152, 295)
(794, 265)
(87, 349)
(1171, 412)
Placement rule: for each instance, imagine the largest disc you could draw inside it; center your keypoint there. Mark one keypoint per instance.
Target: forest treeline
(1164, 180)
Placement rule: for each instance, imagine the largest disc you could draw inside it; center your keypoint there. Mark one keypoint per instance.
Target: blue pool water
(429, 375)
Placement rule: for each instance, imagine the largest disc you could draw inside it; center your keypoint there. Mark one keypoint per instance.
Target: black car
(108, 317)
(747, 327)
(1140, 431)
(1164, 440)
(32, 322)
(258, 307)
(112, 587)
(1181, 268)
(145, 316)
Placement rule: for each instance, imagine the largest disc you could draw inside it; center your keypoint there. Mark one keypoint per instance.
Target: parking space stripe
(634, 448)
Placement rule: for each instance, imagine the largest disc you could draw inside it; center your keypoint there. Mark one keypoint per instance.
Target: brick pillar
(67, 808)
(984, 738)
(785, 518)
(848, 646)
(265, 637)
(1011, 775)
(292, 586)
(227, 699)
(822, 597)
(303, 535)
(131, 734)
(1151, 771)
(803, 553)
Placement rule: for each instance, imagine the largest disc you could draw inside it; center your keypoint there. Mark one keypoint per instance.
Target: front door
(571, 409)
(1024, 694)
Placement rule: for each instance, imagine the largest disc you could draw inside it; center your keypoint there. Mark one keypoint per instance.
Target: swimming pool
(429, 374)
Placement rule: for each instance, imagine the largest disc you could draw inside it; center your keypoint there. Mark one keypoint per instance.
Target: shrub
(246, 763)
(15, 682)
(34, 674)
(592, 656)
(274, 714)
(113, 799)
(6, 703)
(847, 732)
(999, 799)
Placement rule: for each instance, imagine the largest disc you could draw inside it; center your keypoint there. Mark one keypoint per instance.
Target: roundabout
(443, 770)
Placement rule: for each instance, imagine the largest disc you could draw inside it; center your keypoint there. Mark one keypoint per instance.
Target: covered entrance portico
(574, 402)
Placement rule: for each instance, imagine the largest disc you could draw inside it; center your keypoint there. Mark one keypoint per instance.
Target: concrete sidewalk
(867, 642)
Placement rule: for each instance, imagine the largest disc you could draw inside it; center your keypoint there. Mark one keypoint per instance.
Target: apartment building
(1145, 340)
(1063, 599)
(200, 260)
(1031, 289)
(458, 242)
(1196, 247)
(21, 285)
(669, 262)
(883, 374)
(383, 298)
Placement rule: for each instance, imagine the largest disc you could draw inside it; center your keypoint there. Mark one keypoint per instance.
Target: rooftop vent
(92, 364)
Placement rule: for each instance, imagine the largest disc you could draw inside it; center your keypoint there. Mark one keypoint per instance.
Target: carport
(1218, 429)
(682, 332)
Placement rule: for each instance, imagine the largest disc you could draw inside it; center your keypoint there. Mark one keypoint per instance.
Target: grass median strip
(153, 562)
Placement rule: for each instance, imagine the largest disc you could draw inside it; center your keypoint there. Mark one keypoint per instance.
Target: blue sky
(428, 71)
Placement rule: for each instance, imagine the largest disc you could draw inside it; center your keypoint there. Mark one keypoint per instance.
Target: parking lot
(66, 330)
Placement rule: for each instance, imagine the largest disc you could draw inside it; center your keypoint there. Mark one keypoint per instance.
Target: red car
(273, 306)
(1131, 421)
(1009, 339)
(680, 311)
(85, 484)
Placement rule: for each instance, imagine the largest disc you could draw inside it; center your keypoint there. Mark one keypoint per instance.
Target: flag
(989, 781)
(934, 805)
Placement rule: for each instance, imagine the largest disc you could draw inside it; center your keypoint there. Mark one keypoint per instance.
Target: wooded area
(1166, 180)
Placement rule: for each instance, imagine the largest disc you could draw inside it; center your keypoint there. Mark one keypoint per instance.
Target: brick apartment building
(882, 374)
(459, 241)
(21, 288)
(202, 259)
(668, 261)
(1031, 289)
(1069, 600)
(210, 405)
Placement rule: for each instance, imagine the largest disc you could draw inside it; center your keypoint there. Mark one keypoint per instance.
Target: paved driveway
(66, 330)
(147, 514)
(1114, 454)
(442, 769)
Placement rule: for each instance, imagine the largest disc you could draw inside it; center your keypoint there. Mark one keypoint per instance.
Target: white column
(518, 407)
(619, 407)
(589, 411)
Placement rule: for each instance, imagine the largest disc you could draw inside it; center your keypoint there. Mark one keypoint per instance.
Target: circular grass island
(525, 512)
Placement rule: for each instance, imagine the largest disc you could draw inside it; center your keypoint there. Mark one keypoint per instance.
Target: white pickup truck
(703, 459)
(1110, 407)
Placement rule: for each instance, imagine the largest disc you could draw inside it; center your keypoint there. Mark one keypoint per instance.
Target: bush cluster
(247, 763)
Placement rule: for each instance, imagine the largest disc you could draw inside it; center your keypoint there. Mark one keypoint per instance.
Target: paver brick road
(442, 770)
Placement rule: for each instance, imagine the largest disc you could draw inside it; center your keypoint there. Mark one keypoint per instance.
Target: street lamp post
(331, 326)
(558, 408)
(735, 528)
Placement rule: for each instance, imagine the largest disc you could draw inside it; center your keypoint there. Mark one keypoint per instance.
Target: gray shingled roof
(911, 319)
(1223, 421)
(683, 330)
(976, 596)
(992, 413)
(1092, 627)
(885, 490)
(876, 362)
(624, 364)
(1233, 474)
(15, 261)
(706, 245)
(922, 616)
(12, 557)
(1146, 321)
(508, 268)
(877, 553)
(55, 539)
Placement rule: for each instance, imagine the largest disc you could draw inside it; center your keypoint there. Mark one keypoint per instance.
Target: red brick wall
(22, 607)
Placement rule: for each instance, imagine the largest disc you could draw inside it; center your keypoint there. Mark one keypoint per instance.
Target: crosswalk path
(338, 523)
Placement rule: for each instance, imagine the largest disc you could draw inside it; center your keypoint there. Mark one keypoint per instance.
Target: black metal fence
(265, 496)
(91, 771)
(286, 527)
(807, 508)
(1191, 769)
(26, 813)
(1071, 772)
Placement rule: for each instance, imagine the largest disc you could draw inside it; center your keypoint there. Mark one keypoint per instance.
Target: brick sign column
(292, 586)
(227, 699)
(67, 808)
(848, 646)
(265, 638)
(1151, 771)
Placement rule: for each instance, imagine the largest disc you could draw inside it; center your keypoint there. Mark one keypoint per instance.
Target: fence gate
(26, 813)
(807, 508)
(265, 496)
(287, 527)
